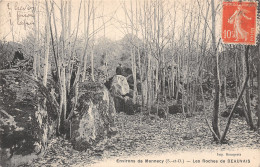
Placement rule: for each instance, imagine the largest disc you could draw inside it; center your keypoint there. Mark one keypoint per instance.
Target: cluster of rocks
(27, 122)
(122, 95)
(121, 88)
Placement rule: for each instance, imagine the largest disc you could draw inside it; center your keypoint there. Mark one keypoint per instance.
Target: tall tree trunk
(157, 87)
(138, 55)
(134, 74)
(149, 85)
(92, 51)
(215, 54)
(225, 81)
(70, 64)
(47, 48)
(248, 103)
(245, 97)
(133, 53)
(239, 97)
(86, 33)
(249, 113)
(258, 81)
(35, 55)
(62, 73)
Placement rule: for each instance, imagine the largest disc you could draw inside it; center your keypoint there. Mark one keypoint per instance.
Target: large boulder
(175, 108)
(94, 119)
(25, 126)
(162, 111)
(119, 85)
(124, 104)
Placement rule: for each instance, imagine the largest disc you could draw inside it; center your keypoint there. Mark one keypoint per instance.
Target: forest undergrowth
(144, 135)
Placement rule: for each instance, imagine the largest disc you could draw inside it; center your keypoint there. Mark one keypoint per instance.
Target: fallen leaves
(151, 137)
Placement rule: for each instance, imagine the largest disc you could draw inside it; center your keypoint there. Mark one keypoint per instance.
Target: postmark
(239, 23)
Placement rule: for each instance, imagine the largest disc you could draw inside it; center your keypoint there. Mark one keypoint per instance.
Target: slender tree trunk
(157, 88)
(177, 77)
(57, 41)
(248, 103)
(38, 58)
(65, 22)
(238, 71)
(258, 91)
(46, 57)
(149, 85)
(62, 73)
(35, 56)
(92, 52)
(70, 65)
(86, 32)
(141, 74)
(133, 54)
(215, 54)
(239, 97)
(249, 113)
(245, 97)
(173, 77)
(225, 81)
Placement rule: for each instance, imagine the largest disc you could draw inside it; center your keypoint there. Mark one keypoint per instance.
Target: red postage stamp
(239, 23)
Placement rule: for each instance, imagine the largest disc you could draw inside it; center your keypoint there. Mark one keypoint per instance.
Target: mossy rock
(24, 123)
(95, 116)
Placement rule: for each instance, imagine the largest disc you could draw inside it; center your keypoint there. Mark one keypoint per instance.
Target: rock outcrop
(25, 126)
(95, 115)
(119, 85)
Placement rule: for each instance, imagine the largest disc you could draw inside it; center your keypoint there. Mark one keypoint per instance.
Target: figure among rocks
(119, 69)
(18, 55)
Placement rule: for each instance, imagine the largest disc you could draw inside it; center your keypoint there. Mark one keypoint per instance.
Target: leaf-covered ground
(140, 135)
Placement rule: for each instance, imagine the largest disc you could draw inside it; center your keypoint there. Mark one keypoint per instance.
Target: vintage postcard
(128, 83)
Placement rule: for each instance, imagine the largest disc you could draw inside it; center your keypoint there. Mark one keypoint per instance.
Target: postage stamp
(239, 23)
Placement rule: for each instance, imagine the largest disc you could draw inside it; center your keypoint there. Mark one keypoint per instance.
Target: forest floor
(141, 136)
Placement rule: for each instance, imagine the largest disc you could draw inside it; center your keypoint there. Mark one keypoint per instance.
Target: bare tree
(258, 81)
(216, 76)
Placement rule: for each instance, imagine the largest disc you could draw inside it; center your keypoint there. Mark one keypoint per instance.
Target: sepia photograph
(129, 83)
